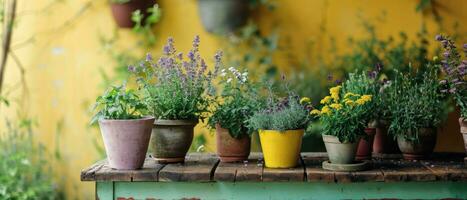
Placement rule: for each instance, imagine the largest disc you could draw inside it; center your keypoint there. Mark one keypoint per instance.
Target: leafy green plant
(118, 103)
(24, 172)
(415, 104)
(236, 103)
(344, 115)
(175, 88)
(120, 1)
(143, 24)
(455, 70)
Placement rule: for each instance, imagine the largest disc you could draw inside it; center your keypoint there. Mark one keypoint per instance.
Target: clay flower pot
(281, 149)
(365, 145)
(231, 149)
(223, 16)
(382, 142)
(122, 11)
(171, 140)
(463, 125)
(416, 150)
(126, 141)
(338, 152)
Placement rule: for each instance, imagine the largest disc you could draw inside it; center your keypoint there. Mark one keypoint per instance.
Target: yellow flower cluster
(334, 91)
(326, 100)
(305, 100)
(333, 102)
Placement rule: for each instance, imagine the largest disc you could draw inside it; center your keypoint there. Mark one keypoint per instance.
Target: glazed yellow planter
(281, 149)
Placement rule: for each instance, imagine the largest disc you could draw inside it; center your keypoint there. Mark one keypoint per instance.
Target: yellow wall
(62, 63)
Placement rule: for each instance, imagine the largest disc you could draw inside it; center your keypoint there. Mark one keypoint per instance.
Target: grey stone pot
(340, 153)
(171, 140)
(223, 16)
(126, 141)
(463, 126)
(416, 150)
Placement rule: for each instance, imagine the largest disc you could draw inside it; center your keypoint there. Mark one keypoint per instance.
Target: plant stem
(9, 19)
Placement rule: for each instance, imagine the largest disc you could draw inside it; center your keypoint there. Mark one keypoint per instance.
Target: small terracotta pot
(463, 126)
(416, 150)
(365, 145)
(231, 149)
(126, 141)
(382, 142)
(223, 16)
(338, 152)
(122, 11)
(171, 140)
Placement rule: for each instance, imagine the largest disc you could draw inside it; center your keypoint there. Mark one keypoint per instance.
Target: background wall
(59, 47)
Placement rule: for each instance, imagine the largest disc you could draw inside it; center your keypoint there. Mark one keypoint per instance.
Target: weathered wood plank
(251, 171)
(197, 168)
(447, 170)
(148, 172)
(284, 175)
(313, 167)
(403, 170)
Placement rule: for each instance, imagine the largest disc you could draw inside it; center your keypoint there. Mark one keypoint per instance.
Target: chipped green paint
(282, 191)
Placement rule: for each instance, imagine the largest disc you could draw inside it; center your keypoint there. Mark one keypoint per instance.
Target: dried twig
(10, 10)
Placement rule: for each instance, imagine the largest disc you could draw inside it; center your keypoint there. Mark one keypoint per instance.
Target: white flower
(223, 70)
(229, 80)
(245, 74)
(231, 69)
(223, 74)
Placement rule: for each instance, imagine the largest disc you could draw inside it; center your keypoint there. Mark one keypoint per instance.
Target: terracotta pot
(231, 149)
(126, 141)
(463, 125)
(281, 149)
(122, 11)
(416, 150)
(338, 152)
(384, 143)
(365, 145)
(171, 140)
(223, 16)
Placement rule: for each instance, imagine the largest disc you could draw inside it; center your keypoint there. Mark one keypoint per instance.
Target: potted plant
(417, 107)
(365, 83)
(122, 10)
(455, 76)
(178, 93)
(124, 128)
(281, 127)
(223, 16)
(236, 104)
(344, 119)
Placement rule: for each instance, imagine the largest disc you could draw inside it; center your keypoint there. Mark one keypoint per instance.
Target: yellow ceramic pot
(281, 149)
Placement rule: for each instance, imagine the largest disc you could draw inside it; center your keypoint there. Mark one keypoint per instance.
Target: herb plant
(118, 103)
(344, 115)
(237, 102)
(176, 88)
(456, 73)
(415, 104)
(143, 24)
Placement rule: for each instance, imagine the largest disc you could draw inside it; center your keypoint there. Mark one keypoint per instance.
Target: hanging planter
(122, 10)
(223, 16)
(416, 149)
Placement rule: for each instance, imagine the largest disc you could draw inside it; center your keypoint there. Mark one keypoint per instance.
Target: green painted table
(203, 177)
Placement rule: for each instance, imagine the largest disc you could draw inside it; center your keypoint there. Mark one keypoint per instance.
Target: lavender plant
(237, 102)
(176, 88)
(455, 72)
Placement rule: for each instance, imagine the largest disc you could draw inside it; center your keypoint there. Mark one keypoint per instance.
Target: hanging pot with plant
(455, 69)
(178, 92)
(417, 108)
(122, 10)
(236, 103)
(281, 127)
(344, 118)
(223, 16)
(125, 131)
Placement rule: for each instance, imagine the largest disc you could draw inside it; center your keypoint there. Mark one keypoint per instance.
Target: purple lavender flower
(180, 56)
(196, 42)
(444, 43)
(452, 90)
(148, 57)
(439, 37)
(169, 47)
(330, 77)
(338, 81)
(446, 54)
(191, 55)
(131, 68)
(378, 67)
(372, 74)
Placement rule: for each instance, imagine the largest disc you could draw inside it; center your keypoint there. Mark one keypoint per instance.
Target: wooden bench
(202, 176)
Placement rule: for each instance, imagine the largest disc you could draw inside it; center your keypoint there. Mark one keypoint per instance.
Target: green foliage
(415, 102)
(120, 1)
(118, 103)
(344, 115)
(175, 88)
(143, 24)
(24, 173)
(236, 103)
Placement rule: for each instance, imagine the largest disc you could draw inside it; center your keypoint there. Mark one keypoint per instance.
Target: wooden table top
(204, 167)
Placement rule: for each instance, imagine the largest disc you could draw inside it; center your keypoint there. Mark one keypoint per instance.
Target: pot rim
(302, 129)
(334, 139)
(144, 118)
(169, 122)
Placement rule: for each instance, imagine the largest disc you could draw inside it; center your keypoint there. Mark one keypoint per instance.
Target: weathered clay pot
(416, 150)
(126, 141)
(365, 145)
(339, 153)
(231, 149)
(223, 16)
(122, 11)
(384, 143)
(171, 140)
(463, 125)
